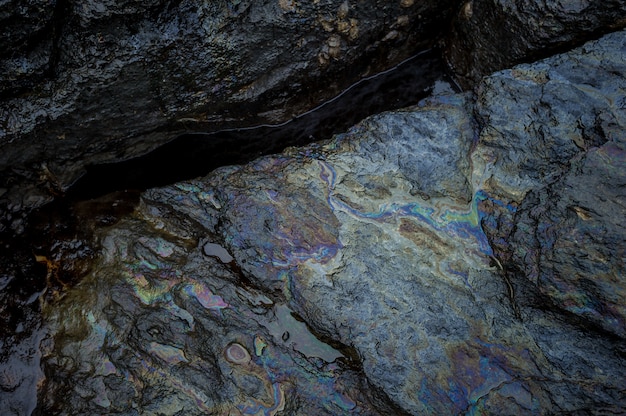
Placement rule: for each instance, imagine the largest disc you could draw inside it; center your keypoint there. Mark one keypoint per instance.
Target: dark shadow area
(196, 154)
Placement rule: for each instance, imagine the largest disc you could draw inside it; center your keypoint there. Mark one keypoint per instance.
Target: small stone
(323, 58)
(353, 33)
(327, 24)
(215, 250)
(402, 20)
(467, 11)
(343, 26)
(287, 5)
(391, 36)
(333, 41)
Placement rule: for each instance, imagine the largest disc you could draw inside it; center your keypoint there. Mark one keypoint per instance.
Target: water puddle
(288, 330)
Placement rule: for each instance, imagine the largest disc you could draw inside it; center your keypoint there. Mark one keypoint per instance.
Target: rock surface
(561, 164)
(86, 82)
(490, 35)
(462, 256)
(92, 82)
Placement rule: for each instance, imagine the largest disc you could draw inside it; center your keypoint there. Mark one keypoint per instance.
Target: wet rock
(481, 281)
(490, 35)
(93, 82)
(163, 327)
(26, 49)
(557, 170)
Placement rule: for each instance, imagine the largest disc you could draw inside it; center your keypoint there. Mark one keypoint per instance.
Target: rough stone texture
(561, 163)
(502, 294)
(156, 336)
(84, 82)
(490, 35)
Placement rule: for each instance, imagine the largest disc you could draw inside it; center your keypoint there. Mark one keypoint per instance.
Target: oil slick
(299, 338)
(142, 322)
(204, 296)
(237, 354)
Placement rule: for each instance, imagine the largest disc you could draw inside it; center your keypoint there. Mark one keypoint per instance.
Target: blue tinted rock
(487, 280)
(560, 162)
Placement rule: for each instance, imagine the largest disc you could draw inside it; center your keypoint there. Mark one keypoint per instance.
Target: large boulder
(456, 257)
(86, 82)
(557, 175)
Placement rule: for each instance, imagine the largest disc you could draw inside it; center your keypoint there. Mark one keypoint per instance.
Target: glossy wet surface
(57, 249)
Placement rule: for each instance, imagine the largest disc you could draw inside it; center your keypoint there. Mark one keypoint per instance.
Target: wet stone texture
(464, 256)
(163, 328)
(87, 82)
(558, 171)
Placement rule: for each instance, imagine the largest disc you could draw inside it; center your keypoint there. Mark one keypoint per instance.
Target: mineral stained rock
(86, 82)
(463, 256)
(490, 35)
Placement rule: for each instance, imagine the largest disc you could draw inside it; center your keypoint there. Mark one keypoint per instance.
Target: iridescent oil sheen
(195, 333)
(255, 267)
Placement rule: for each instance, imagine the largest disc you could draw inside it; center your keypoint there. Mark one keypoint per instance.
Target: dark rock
(91, 82)
(490, 35)
(26, 44)
(569, 238)
(426, 292)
